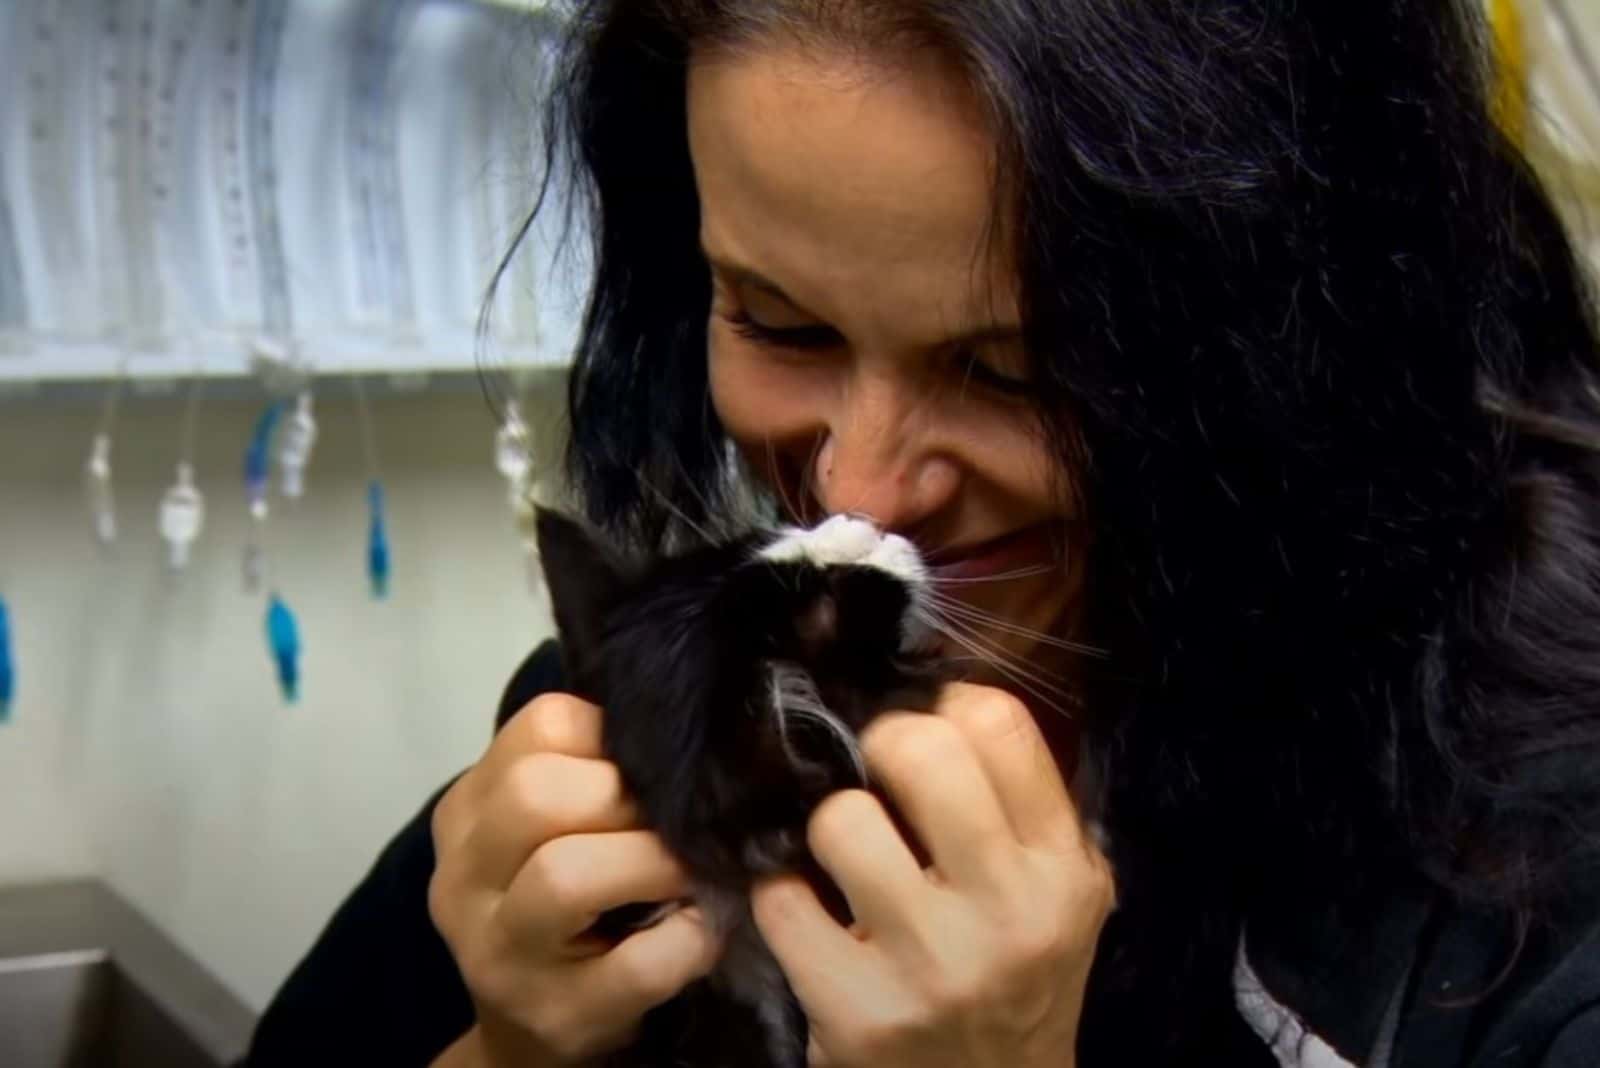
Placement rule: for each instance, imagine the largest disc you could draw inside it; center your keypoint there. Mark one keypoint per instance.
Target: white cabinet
(185, 181)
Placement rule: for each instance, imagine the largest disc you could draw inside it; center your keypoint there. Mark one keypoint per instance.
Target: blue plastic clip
(258, 455)
(377, 542)
(283, 636)
(8, 672)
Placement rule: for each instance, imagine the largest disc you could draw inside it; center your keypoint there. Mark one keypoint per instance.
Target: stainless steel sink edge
(81, 923)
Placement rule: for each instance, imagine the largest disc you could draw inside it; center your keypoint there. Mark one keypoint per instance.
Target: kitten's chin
(917, 638)
(772, 852)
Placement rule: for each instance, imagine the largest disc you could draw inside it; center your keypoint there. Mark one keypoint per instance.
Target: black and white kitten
(735, 680)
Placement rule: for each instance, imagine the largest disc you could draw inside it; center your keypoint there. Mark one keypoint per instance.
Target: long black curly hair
(1312, 341)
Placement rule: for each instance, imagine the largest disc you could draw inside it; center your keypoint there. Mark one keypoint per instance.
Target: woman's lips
(1034, 546)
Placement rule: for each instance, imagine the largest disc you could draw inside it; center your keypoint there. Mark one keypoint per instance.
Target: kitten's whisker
(783, 491)
(968, 657)
(1032, 687)
(1018, 668)
(807, 475)
(1005, 576)
(974, 631)
(644, 483)
(679, 512)
(794, 693)
(999, 656)
(761, 511)
(699, 495)
(986, 622)
(978, 615)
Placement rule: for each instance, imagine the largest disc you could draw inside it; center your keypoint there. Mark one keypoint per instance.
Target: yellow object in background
(1547, 101)
(1510, 101)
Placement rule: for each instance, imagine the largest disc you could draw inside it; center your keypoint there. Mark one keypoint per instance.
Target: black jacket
(1403, 987)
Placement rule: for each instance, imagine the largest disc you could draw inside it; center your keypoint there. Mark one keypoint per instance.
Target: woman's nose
(881, 460)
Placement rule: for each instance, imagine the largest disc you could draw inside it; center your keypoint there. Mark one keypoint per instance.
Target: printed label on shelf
(185, 181)
(13, 295)
(49, 165)
(266, 42)
(383, 293)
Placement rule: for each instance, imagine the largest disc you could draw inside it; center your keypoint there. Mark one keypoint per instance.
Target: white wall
(148, 743)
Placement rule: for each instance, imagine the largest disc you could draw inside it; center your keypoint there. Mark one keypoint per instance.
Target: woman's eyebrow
(988, 334)
(733, 272)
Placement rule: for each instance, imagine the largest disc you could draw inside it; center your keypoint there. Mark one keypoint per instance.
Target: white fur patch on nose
(846, 540)
(899, 558)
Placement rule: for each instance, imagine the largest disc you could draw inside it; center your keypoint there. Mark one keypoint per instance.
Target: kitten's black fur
(683, 654)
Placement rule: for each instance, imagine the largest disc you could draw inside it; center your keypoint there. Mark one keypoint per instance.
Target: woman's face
(865, 335)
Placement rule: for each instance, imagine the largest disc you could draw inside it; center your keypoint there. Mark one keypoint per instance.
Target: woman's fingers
(551, 723)
(853, 839)
(532, 845)
(1016, 760)
(539, 797)
(569, 881)
(833, 974)
(651, 966)
(554, 723)
(935, 778)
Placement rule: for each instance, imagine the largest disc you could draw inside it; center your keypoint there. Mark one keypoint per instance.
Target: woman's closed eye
(968, 364)
(975, 369)
(807, 337)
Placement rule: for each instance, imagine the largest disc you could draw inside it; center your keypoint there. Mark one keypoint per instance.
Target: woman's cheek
(1002, 446)
(758, 398)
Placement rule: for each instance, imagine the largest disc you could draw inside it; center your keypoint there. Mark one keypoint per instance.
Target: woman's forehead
(840, 183)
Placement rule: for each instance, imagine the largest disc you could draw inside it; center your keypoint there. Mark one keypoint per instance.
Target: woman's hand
(533, 844)
(982, 958)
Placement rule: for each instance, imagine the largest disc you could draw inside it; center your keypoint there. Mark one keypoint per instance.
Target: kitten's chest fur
(742, 1015)
(735, 681)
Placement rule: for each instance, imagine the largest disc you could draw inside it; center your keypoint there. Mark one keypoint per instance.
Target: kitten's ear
(585, 580)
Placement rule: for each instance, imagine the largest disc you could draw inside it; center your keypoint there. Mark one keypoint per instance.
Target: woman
(1246, 319)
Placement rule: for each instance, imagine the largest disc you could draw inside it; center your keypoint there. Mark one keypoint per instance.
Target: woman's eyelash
(986, 376)
(789, 337)
(818, 337)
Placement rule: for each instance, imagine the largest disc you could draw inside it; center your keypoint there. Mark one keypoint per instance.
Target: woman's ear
(585, 579)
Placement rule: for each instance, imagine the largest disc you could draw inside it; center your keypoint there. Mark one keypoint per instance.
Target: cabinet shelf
(342, 173)
(46, 360)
